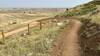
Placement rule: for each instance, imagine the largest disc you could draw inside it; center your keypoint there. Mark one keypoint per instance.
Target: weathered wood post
(3, 36)
(40, 25)
(28, 29)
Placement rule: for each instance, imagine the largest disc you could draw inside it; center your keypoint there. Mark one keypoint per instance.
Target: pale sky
(40, 3)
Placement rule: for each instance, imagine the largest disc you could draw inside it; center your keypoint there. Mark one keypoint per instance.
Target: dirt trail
(67, 43)
(32, 23)
(20, 29)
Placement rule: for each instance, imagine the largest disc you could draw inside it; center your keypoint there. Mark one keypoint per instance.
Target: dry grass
(36, 44)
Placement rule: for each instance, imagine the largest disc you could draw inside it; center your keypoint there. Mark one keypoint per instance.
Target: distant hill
(21, 10)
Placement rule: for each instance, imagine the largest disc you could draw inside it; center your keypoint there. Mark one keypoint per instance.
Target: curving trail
(67, 43)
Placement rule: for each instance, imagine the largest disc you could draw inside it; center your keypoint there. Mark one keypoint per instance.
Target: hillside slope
(89, 14)
(89, 10)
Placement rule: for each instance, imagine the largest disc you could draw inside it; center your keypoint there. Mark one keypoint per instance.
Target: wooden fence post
(28, 28)
(3, 36)
(40, 25)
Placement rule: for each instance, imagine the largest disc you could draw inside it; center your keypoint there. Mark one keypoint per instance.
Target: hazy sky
(41, 3)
